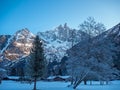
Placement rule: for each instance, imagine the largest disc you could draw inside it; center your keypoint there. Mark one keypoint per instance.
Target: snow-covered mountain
(56, 42)
(14, 47)
(60, 39)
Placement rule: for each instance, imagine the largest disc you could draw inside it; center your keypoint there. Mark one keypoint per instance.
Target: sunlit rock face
(16, 46)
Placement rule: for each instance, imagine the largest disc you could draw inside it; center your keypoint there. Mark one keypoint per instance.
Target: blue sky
(42, 15)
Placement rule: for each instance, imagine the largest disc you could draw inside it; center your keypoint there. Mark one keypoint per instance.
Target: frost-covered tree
(91, 27)
(83, 59)
(103, 52)
(98, 62)
(78, 64)
(36, 61)
(117, 59)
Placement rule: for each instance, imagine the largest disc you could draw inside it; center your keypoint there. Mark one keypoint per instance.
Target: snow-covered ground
(41, 85)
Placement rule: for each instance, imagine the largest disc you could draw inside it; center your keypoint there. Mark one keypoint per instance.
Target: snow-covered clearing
(41, 85)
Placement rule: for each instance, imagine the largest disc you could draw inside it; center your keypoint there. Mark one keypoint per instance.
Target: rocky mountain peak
(63, 27)
(25, 30)
(23, 34)
(58, 40)
(62, 32)
(18, 45)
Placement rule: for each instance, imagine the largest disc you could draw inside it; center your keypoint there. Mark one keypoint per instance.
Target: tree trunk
(35, 84)
(101, 82)
(85, 82)
(71, 84)
(0, 80)
(74, 87)
(90, 82)
(107, 82)
(75, 81)
(72, 80)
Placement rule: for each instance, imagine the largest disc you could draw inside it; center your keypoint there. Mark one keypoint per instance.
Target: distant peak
(64, 26)
(23, 30)
(60, 26)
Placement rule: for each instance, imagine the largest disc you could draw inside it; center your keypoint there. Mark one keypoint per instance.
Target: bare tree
(81, 57)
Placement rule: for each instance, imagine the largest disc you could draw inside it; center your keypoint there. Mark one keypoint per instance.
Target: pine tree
(36, 61)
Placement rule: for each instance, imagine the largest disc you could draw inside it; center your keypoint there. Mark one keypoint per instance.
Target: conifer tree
(36, 61)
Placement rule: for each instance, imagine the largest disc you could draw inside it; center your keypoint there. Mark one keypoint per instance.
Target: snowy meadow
(43, 85)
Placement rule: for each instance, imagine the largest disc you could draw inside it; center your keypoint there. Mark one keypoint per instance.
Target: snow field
(42, 85)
